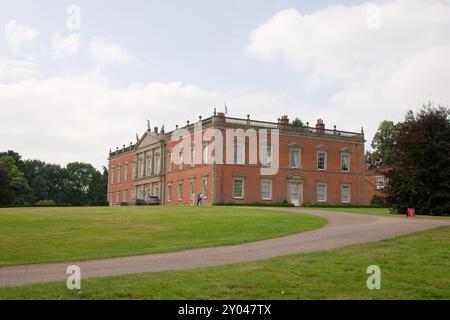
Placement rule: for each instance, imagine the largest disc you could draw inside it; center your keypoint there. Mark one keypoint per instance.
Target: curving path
(342, 229)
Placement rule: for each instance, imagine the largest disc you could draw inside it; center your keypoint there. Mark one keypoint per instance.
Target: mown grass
(374, 211)
(35, 235)
(416, 266)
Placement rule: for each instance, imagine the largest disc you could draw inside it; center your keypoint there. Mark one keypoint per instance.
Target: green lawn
(416, 266)
(374, 211)
(34, 235)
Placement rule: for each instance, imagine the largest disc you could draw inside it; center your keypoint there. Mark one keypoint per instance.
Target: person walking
(200, 199)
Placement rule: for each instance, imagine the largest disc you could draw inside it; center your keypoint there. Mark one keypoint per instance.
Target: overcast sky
(71, 89)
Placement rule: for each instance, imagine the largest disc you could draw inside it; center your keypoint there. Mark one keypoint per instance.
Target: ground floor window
(238, 188)
(180, 191)
(345, 193)
(266, 190)
(321, 192)
(125, 196)
(118, 196)
(192, 189)
(169, 193)
(205, 187)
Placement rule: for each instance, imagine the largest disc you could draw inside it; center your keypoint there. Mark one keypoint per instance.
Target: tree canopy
(383, 145)
(419, 161)
(31, 181)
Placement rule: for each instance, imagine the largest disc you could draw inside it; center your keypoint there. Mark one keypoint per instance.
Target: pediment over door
(295, 177)
(148, 139)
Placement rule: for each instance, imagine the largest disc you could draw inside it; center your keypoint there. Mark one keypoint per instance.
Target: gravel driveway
(343, 229)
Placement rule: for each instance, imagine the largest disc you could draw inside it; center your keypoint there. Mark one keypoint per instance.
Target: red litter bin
(411, 212)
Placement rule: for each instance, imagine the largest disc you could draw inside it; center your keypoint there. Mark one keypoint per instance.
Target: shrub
(378, 201)
(46, 203)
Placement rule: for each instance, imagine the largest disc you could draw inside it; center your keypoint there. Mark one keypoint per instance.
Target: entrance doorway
(295, 193)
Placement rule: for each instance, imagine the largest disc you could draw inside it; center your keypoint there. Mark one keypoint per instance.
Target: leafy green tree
(6, 194)
(19, 184)
(16, 156)
(420, 172)
(298, 123)
(382, 144)
(83, 184)
(31, 169)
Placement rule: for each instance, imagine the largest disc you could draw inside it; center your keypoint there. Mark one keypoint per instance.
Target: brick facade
(316, 165)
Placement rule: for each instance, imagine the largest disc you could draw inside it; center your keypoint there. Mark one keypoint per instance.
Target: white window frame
(325, 192)
(125, 172)
(192, 189)
(141, 167)
(270, 189)
(119, 171)
(342, 162)
(349, 195)
(266, 156)
(169, 192)
(181, 159)
(157, 164)
(243, 188)
(134, 169)
(205, 187)
(149, 163)
(239, 146)
(380, 182)
(169, 162)
(291, 154)
(113, 171)
(205, 154)
(192, 156)
(324, 160)
(180, 191)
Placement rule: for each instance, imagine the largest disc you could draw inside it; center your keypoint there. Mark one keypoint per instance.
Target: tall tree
(382, 144)
(298, 123)
(84, 184)
(19, 184)
(31, 169)
(6, 194)
(420, 174)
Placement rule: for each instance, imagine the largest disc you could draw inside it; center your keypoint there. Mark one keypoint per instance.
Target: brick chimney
(320, 126)
(284, 120)
(156, 130)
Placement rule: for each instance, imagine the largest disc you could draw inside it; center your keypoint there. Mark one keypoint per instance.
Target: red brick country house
(316, 165)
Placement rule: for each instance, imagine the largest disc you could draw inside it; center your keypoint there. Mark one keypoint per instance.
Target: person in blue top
(200, 199)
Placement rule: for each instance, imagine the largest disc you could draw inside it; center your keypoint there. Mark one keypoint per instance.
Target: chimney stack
(320, 126)
(156, 130)
(284, 120)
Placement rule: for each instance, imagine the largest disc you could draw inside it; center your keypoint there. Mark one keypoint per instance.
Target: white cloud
(17, 70)
(374, 74)
(19, 36)
(66, 46)
(104, 51)
(78, 118)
